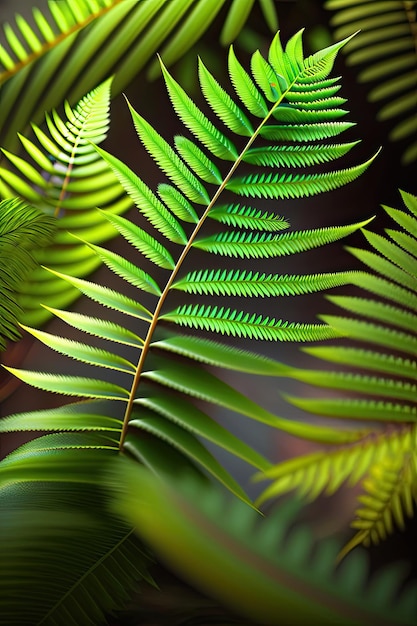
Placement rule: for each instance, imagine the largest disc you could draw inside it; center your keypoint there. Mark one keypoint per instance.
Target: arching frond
(385, 53)
(376, 384)
(230, 539)
(149, 394)
(23, 231)
(76, 44)
(64, 176)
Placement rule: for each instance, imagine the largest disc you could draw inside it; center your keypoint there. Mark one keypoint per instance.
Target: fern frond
(375, 385)
(248, 217)
(23, 231)
(232, 540)
(325, 471)
(134, 410)
(255, 284)
(385, 53)
(77, 44)
(73, 182)
(390, 496)
(240, 324)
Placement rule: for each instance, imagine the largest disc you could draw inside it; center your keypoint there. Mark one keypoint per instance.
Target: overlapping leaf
(385, 53)
(23, 231)
(376, 384)
(64, 177)
(76, 44)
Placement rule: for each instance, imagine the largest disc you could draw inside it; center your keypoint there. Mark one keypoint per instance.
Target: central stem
(177, 267)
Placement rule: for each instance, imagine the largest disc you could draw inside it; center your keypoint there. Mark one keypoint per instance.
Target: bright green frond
(255, 284)
(248, 217)
(83, 352)
(169, 161)
(245, 87)
(145, 243)
(71, 385)
(220, 355)
(280, 186)
(177, 203)
(99, 328)
(107, 297)
(147, 203)
(236, 323)
(222, 104)
(197, 160)
(197, 122)
(296, 156)
(304, 133)
(128, 271)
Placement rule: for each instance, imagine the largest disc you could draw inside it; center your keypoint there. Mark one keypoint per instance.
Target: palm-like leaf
(380, 379)
(157, 409)
(74, 180)
(79, 43)
(23, 231)
(385, 51)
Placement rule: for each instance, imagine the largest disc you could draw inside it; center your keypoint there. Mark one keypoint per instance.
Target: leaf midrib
(181, 259)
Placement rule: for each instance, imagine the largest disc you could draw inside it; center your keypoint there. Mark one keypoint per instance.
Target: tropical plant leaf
(131, 397)
(23, 231)
(73, 181)
(377, 384)
(76, 44)
(68, 523)
(276, 579)
(385, 54)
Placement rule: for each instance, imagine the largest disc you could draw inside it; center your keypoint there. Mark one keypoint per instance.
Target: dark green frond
(385, 53)
(23, 230)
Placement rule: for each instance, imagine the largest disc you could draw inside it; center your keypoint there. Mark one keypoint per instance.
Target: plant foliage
(77, 44)
(65, 177)
(23, 231)
(377, 387)
(385, 51)
(147, 391)
(277, 577)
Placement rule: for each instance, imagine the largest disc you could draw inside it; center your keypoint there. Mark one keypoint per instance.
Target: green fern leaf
(386, 460)
(293, 186)
(248, 217)
(240, 324)
(384, 50)
(252, 284)
(389, 496)
(23, 230)
(134, 411)
(70, 187)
